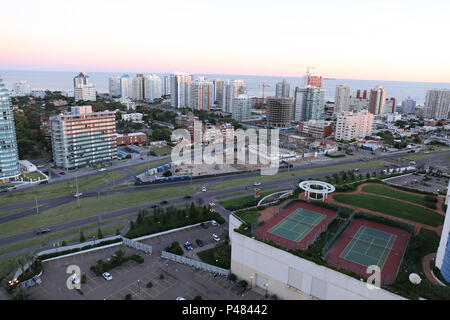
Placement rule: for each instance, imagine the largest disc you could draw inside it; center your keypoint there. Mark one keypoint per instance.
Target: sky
(404, 40)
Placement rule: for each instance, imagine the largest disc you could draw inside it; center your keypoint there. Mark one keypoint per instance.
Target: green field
(249, 216)
(90, 207)
(392, 207)
(385, 191)
(144, 166)
(246, 201)
(32, 176)
(60, 189)
(161, 151)
(245, 181)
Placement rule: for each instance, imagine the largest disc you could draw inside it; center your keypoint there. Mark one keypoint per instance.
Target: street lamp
(139, 285)
(267, 287)
(251, 282)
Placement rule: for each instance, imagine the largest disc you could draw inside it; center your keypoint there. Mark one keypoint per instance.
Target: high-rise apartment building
(443, 251)
(179, 86)
(315, 81)
(125, 84)
(352, 125)
(165, 85)
(408, 105)
(309, 103)
(9, 156)
(437, 104)
(137, 87)
(279, 112)
(377, 100)
(201, 95)
(152, 87)
(342, 98)
(83, 90)
(218, 93)
(242, 107)
(82, 137)
(282, 89)
(231, 90)
(115, 87)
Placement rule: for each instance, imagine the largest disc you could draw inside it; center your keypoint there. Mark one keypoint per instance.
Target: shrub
(83, 278)
(149, 285)
(175, 248)
(161, 276)
(128, 296)
(198, 298)
(232, 277)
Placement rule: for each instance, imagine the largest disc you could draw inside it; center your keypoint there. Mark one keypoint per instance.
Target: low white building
(133, 117)
(27, 166)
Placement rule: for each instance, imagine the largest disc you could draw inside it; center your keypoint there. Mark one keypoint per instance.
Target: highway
(207, 196)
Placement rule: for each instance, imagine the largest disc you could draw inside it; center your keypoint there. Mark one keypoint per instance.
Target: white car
(76, 195)
(101, 169)
(214, 223)
(216, 237)
(203, 189)
(256, 183)
(107, 276)
(180, 298)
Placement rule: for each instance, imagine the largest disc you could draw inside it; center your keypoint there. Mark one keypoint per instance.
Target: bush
(175, 248)
(128, 296)
(198, 298)
(149, 285)
(161, 276)
(83, 278)
(232, 277)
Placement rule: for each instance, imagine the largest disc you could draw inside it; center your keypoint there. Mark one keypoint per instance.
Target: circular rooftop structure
(316, 190)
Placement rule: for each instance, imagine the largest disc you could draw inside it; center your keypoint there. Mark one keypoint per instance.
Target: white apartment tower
(231, 90)
(201, 94)
(342, 98)
(115, 87)
(83, 90)
(242, 107)
(179, 86)
(352, 125)
(437, 104)
(152, 87)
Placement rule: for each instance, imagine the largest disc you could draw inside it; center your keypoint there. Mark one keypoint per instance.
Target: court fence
(195, 263)
(333, 239)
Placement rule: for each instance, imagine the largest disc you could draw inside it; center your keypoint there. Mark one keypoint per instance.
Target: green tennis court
(369, 247)
(297, 225)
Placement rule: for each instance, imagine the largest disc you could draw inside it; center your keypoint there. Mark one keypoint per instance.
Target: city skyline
(337, 41)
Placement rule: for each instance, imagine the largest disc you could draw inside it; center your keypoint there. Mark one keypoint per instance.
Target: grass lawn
(249, 216)
(7, 213)
(207, 256)
(383, 190)
(418, 157)
(59, 189)
(245, 181)
(8, 264)
(57, 235)
(246, 201)
(392, 208)
(32, 176)
(90, 207)
(161, 151)
(142, 167)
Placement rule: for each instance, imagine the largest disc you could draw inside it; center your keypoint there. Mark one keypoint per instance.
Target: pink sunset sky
(390, 40)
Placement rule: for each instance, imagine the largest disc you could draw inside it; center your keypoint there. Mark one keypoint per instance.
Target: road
(208, 196)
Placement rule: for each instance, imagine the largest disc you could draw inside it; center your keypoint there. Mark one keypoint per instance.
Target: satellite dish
(415, 278)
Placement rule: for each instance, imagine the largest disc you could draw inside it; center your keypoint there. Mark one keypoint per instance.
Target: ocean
(63, 80)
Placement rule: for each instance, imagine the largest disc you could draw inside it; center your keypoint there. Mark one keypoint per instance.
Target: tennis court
(369, 247)
(297, 225)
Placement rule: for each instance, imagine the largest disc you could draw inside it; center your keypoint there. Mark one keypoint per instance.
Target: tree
(99, 234)
(82, 238)
(200, 202)
(140, 218)
(167, 173)
(368, 175)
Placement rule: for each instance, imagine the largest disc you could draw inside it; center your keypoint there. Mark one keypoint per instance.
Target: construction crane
(263, 85)
(308, 68)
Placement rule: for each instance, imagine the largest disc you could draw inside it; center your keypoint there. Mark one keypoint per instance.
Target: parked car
(43, 230)
(216, 237)
(199, 242)
(180, 298)
(107, 276)
(188, 245)
(214, 223)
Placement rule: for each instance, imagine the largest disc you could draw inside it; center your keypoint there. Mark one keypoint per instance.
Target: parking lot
(132, 278)
(417, 182)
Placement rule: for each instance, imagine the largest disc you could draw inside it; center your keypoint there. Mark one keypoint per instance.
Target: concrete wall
(444, 236)
(291, 277)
